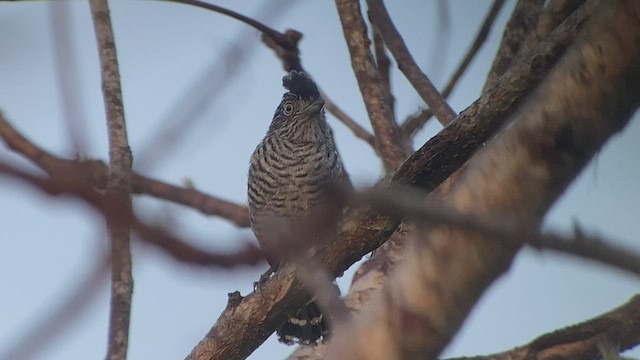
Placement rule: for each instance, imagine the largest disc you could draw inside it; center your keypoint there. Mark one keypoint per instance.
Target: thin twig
(392, 38)
(118, 193)
(156, 235)
(388, 139)
(384, 64)
(416, 122)
(273, 34)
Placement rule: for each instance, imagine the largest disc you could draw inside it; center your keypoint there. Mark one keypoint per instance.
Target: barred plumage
(290, 178)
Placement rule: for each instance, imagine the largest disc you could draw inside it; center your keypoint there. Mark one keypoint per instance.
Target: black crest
(299, 83)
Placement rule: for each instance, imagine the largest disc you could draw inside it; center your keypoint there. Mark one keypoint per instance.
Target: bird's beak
(315, 107)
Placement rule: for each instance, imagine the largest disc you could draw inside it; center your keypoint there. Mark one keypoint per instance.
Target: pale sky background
(49, 244)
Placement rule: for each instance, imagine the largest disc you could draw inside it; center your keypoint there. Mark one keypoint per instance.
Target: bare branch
(392, 38)
(264, 29)
(383, 63)
(388, 139)
(619, 326)
(522, 22)
(586, 99)
(95, 172)
(118, 193)
(416, 122)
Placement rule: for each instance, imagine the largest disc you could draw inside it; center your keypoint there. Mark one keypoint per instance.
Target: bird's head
(300, 105)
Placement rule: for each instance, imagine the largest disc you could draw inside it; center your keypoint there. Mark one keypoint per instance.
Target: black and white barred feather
(291, 175)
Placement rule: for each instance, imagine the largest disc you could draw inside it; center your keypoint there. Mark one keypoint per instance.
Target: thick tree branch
(382, 21)
(118, 193)
(388, 139)
(589, 96)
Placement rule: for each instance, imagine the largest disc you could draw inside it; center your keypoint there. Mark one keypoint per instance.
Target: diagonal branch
(392, 38)
(416, 122)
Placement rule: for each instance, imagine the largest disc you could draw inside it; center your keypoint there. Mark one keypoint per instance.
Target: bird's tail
(307, 326)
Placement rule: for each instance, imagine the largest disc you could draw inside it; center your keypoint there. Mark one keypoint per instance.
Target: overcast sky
(49, 244)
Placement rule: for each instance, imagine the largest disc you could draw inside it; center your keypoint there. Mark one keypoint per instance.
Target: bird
(293, 174)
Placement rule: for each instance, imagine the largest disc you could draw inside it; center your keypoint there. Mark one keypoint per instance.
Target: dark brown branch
(552, 15)
(382, 21)
(118, 193)
(522, 22)
(95, 172)
(384, 64)
(416, 122)
(388, 139)
(619, 327)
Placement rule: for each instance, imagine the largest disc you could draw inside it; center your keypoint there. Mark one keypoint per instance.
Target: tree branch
(620, 327)
(392, 38)
(118, 193)
(522, 22)
(388, 139)
(95, 172)
(156, 235)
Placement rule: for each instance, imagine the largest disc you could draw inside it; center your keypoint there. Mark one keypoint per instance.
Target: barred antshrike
(292, 202)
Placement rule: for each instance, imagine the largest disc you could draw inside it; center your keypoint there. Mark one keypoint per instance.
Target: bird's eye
(287, 108)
